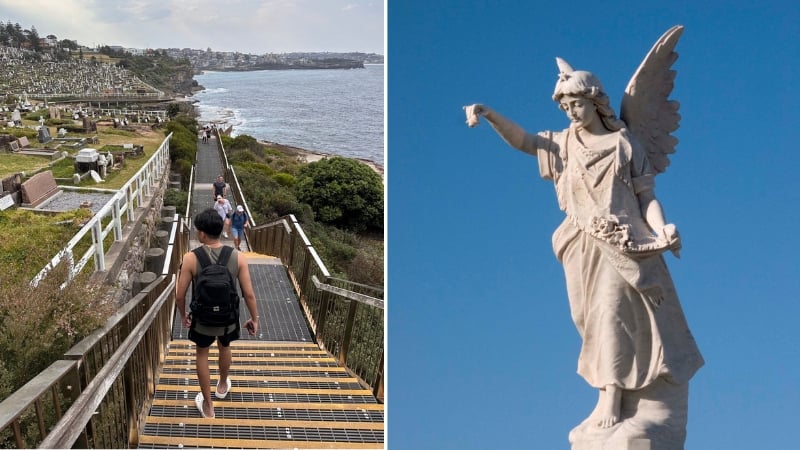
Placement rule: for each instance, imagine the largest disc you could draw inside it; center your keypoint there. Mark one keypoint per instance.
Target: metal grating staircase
(283, 395)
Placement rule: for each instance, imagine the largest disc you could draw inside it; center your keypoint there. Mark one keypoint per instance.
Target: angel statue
(637, 349)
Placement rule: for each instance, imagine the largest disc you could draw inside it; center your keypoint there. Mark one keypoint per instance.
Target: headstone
(16, 117)
(44, 135)
(89, 125)
(95, 176)
(14, 146)
(38, 188)
(6, 202)
(23, 142)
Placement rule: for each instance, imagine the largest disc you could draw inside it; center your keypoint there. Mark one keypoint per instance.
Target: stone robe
(621, 295)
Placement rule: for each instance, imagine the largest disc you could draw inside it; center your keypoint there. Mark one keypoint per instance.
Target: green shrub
(59, 122)
(176, 198)
(366, 267)
(35, 115)
(244, 142)
(241, 157)
(342, 192)
(257, 169)
(38, 327)
(285, 179)
(183, 167)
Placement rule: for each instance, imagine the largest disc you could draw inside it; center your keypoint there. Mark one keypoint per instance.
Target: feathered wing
(646, 108)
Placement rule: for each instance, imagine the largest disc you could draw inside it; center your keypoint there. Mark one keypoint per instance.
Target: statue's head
(581, 83)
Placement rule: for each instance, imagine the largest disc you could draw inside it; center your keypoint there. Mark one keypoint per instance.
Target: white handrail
(135, 189)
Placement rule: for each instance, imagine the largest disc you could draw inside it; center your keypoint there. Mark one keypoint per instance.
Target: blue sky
(247, 26)
(482, 350)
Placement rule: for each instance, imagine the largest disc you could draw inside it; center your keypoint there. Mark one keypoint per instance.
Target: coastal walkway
(207, 168)
(286, 391)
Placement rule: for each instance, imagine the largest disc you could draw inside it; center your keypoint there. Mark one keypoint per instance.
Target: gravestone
(6, 202)
(89, 125)
(23, 142)
(14, 146)
(44, 135)
(38, 188)
(95, 176)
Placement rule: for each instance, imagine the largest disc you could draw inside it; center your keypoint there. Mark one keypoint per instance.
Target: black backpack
(215, 301)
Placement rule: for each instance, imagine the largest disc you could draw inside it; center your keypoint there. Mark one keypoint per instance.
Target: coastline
(310, 156)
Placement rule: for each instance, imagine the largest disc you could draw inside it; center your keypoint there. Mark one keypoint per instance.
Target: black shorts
(203, 341)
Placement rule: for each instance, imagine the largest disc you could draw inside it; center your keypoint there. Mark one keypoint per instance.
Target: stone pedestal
(141, 281)
(154, 260)
(168, 211)
(653, 418)
(161, 238)
(166, 223)
(628, 444)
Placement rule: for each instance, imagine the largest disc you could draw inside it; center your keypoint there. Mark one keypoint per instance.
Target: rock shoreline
(307, 155)
(310, 156)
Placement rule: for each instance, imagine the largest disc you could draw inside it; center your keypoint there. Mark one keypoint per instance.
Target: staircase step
(283, 395)
(184, 442)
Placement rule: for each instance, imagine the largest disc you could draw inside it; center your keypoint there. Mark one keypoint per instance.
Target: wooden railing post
(348, 332)
(378, 390)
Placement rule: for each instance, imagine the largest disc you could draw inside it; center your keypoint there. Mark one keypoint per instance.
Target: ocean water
(338, 112)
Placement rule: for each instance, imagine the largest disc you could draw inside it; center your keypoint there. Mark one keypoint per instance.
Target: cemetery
(72, 118)
(46, 79)
(95, 155)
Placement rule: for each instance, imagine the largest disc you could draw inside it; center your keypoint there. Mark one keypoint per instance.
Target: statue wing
(646, 108)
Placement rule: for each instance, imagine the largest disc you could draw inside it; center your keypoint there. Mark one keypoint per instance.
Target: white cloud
(229, 25)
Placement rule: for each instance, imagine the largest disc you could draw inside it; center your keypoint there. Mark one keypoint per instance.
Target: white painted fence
(124, 202)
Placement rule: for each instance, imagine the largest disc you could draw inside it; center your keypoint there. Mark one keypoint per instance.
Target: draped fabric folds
(624, 304)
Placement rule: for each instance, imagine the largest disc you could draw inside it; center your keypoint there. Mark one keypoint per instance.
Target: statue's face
(580, 110)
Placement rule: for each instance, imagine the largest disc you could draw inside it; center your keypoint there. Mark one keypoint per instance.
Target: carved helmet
(577, 82)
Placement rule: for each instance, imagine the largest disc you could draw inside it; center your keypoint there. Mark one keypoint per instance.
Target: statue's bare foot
(608, 411)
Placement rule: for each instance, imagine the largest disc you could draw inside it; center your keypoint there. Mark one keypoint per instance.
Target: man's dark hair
(209, 222)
